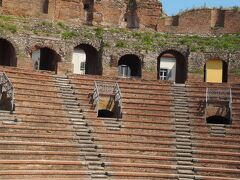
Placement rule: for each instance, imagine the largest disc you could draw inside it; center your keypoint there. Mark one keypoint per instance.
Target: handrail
(106, 88)
(230, 104)
(216, 96)
(8, 87)
(96, 96)
(118, 95)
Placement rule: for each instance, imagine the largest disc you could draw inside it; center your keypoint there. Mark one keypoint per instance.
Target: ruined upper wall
(127, 14)
(117, 13)
(202, 21)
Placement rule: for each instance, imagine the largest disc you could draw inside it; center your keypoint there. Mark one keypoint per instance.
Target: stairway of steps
(112, 124)
(183, 133)
(218, 130)
(9, 118)
(83, 132)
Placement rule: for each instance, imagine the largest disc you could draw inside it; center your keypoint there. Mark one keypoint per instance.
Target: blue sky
(174, 6)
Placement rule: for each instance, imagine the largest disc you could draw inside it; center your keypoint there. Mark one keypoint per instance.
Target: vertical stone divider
(185, 165)
(85, 138)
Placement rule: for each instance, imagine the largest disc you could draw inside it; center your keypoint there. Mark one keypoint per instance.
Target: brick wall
(24, 7)
(202, 21)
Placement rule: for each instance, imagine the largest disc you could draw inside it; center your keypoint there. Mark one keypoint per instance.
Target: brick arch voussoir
(35, 46)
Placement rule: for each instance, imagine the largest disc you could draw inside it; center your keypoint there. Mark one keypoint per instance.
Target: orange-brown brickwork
(127, 14)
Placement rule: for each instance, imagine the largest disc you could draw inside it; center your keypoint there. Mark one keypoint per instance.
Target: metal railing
(6, 86)
(106, 88)
(218, 96)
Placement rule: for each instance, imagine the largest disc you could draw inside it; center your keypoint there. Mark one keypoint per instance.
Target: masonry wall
(202, 21)
(25, 45)
(127, 13)
(23, 7)
(232, 22)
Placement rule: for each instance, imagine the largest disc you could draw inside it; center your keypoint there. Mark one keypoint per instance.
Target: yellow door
(214, 71)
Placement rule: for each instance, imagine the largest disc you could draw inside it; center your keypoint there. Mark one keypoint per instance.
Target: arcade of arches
(171, 64)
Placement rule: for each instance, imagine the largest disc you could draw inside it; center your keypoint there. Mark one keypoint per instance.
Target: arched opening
(130, 17)
(172, 66)
(86, 60)
(7, 54)
(88, 10)
(106, 113)
(45, 59)
(45, 6)
(215, 71)
(218, 120)
(129, 66)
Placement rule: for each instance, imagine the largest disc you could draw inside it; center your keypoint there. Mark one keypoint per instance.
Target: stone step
(71, 101)
(81, 134)
(65, 87)
(181, 111)
(185, 163)
(67, 91)
(75, 116)
(180, 104)
(94, 167)
(94, 159)
(72, 109)
(98, 176)
(78, 120)
(190, 172)
(218, 128)
(113, 129)
(189, 155)
(60, 80)
(85, 142)
(114, 123)
(218, 131)
(218, 135)
(183, 143)
(183, 140)
(183, 147)
(73, 106)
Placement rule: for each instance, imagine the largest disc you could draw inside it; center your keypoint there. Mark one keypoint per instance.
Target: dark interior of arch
(181, 66)
(225, 72)
(106, 113)
(133, 62)
(49, 59)
(218, 120)
(7, 54)
(93, 62)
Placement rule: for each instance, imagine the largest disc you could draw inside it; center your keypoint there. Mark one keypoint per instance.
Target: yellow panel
(214, 71)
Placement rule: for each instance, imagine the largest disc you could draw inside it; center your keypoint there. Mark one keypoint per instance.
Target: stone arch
(215, 71)
(8, 56)
(93, 64)
(130, 65)
(179, 66)
(45, 58)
